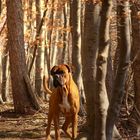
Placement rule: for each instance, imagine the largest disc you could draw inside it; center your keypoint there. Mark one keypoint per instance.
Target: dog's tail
(45, 85)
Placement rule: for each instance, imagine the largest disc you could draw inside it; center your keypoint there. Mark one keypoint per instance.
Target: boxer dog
(64, 98)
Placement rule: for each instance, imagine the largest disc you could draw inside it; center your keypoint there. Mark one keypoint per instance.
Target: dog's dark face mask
(60, 75)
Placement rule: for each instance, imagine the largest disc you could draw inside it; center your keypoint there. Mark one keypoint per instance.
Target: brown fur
(70, 107)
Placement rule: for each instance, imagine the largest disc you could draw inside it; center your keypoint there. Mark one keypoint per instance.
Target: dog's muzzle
(58, 80)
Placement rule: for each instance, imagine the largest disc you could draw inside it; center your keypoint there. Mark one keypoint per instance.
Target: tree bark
(37, 35)
(76, 40)
(23, 101)
(5, 69)
(89, 54)
(119, 86)
(101, 93)
(1, 100)
(136, 61)
(65, 35)
(75, 14)
(40, 55)
(0, 6)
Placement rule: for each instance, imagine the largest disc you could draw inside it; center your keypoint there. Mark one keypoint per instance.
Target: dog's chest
(64, 104)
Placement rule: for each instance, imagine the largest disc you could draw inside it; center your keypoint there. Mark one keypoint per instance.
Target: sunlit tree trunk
(5, 80)
(119, 85)
(76, 40)
(49, 35)
(24, 99)
(39, 65)
(55, 34)
(1, 100)
(89, 54)
(0, 7)
(75, 12)
(65, 34)
(101, 93)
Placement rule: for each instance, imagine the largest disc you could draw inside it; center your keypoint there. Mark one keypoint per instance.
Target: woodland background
(99, 39)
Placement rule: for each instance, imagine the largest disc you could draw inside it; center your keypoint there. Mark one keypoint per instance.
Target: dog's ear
(68, 67)
(53, 70)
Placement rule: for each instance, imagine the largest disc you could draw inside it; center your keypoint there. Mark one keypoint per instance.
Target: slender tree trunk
(65, 35)
(75, 12)
(1, 100)
(119, 86)
(0, 6)
(53, 46)
(76, 40)
(89, 54)
(5, 79)
(40, 54)
(109, 77)
(49, 35)
(117, 51)
(37, 36)
(24, 99)
(101, 93)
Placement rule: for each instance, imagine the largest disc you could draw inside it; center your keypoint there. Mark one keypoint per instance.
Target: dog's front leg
(74, 126)
(50, 117)
(56, 127)
(66, 125)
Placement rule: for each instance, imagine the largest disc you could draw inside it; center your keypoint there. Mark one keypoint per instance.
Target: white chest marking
(65, 106)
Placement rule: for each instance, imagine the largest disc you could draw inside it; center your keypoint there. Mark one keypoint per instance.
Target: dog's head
(60, 75)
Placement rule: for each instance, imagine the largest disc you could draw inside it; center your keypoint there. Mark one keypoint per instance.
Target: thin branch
(2, 25)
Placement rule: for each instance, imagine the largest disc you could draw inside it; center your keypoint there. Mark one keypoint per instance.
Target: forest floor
(17, 127)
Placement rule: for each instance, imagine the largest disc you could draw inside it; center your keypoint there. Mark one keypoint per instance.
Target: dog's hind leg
(66, 125)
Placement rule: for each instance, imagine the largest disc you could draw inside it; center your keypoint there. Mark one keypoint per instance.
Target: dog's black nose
(57, 81)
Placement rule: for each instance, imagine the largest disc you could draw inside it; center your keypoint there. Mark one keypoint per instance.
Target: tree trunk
(21, 90)
(119, 86)
(75, 13)
(89, 54)
(65, 35)
(1, 100)
(40, 55)
(109, 76)
(136, 62)
(76, 40)
(0, 6)
(4, 87)
(101, 93)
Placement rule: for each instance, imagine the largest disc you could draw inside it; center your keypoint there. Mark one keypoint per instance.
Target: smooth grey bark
(65, 34)
(101, 105)
(89, 54)
(0, 6)
(40, 55)
(76, 40)
(75, 12)
(119, 85)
